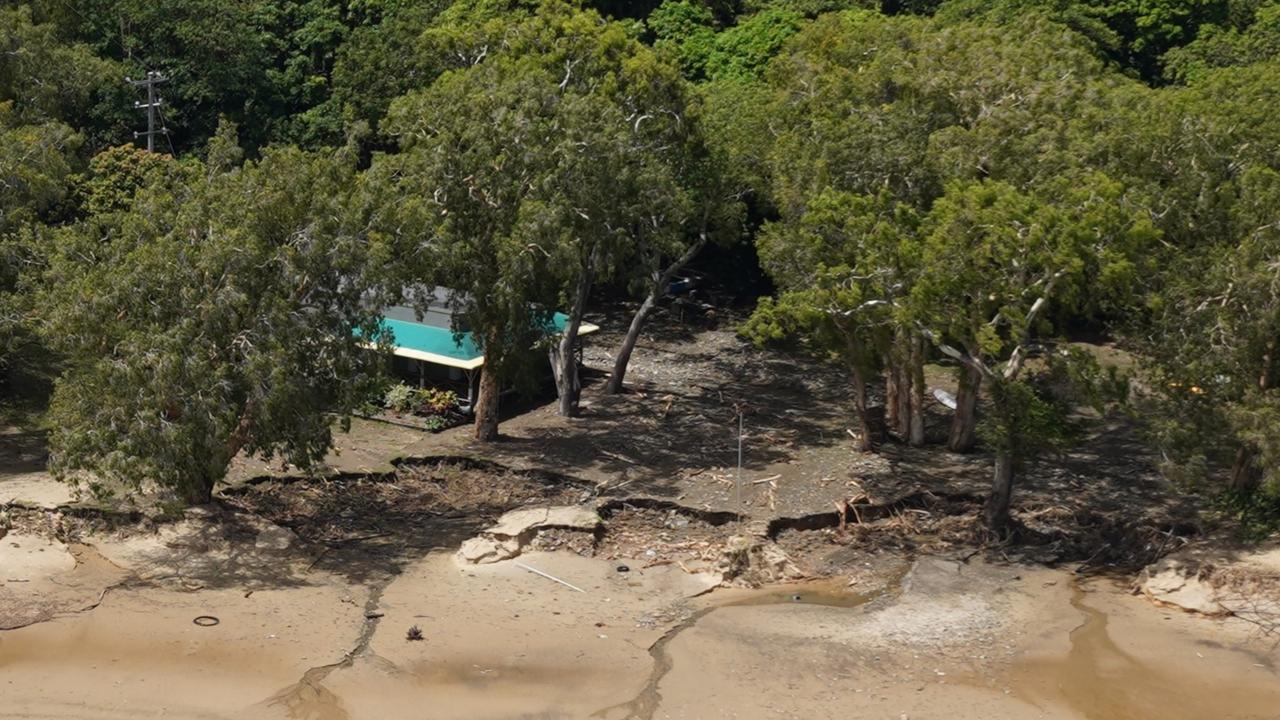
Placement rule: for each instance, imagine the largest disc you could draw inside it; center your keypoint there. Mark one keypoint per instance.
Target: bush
(434, 401)
(1257, 512)
(400, 398)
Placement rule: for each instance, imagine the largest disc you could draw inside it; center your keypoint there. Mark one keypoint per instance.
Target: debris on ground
(517, 529)
(752, 561)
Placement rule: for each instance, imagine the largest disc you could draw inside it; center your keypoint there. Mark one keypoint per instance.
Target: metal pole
(152, 106)
(151, 113)
(738, 476)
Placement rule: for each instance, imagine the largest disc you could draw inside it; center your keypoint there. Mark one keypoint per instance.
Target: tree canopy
(956, 182)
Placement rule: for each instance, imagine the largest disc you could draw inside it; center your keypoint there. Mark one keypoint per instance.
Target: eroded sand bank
(944, 640)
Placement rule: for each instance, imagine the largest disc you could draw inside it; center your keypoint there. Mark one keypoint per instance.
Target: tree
(872, 105)
(993, 262)
(1213, 344)
(690, 30)
(36, 162)
(541, 164)
(115, 176)
(1134, 33)
(1218, 46)
(41, 74)
(226, 313)
(840, 268)
(712, 212)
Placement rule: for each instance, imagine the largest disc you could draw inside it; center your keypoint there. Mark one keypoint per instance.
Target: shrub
(434, 401)
(399, 398)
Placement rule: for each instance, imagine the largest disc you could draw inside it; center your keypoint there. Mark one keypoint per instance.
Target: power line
(164, 125)
(152, 106)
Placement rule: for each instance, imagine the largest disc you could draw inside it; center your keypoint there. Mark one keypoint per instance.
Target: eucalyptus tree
(871, 105)
(995, 263)
(839, 270)
(46, 85)
(526, 178)
(713, 186)
(1212, 345)
(221, 312)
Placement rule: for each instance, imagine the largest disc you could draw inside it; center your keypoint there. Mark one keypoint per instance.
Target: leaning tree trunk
(486, 407)
(614, 386)
(995, 513)
(199, 490)
(915, 370)
(656, 290)
(965, 421)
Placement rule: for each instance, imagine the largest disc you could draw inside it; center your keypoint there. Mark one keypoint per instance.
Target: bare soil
(909, 610)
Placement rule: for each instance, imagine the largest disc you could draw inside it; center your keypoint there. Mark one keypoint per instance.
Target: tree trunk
(1244, 474)
(486, 406)
(995, 513)
(1244, 471)
(564, 361)
(965, 421)
(656, 290)
(198, 491)
(892, 392)
(915, 370)
(564, 366)
(614, 386)
(860, 407)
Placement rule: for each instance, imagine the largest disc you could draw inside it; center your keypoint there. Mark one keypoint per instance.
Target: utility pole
(152, 106)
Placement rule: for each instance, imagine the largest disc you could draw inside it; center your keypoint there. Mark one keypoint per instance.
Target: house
(427, 350)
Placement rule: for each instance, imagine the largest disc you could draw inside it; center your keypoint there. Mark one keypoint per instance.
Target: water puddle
(1103, 656)
(1145, 671)
(826, 593)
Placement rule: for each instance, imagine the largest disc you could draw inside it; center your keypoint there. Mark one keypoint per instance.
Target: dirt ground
(673, 437)
(296, 597)
(933, 637)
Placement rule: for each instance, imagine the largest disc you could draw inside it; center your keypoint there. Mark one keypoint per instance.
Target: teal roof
(434, 340)
(441, 345)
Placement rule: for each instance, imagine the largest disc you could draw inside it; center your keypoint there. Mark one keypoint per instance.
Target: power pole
(152, 106)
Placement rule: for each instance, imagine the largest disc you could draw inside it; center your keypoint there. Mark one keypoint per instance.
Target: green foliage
(402, 398)
(213, 316)
(383, 61)
(840, 269)
(115, 176)
(437, 401)
(1135, 33)
(689, 29)
(1212, 343)
(1220, 46)
(43, 76)
(994, 256)
(1023, 423)
(1256, 513)
(528, 174)
(36, 162)
(399, 398)
(436, 423)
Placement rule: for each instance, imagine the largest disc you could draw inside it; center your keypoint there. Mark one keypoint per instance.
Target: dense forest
(965, 182)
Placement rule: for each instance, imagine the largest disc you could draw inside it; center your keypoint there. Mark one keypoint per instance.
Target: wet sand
(945, 640)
